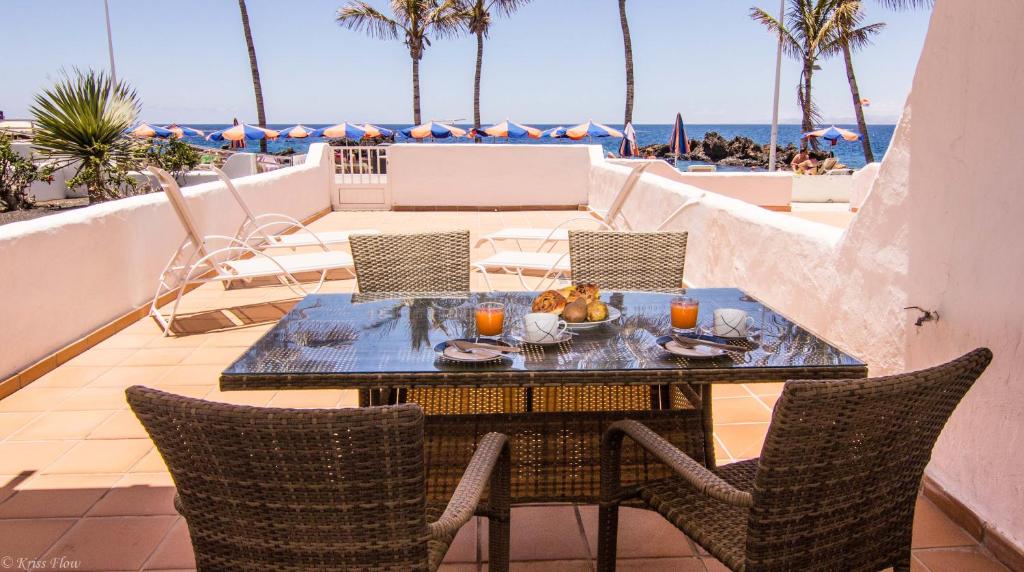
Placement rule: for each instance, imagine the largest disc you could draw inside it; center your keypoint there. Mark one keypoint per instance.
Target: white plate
(473, 356)
(695, 352)
(566, 336)
(613, 314)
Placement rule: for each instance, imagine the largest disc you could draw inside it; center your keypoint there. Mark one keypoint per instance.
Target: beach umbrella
(591, 129)
(297, 132)
(833, 134)
(147, 130)
(341, 130)
(629, 147)
(242, 132)
(434, 130)
(376, 131)
(678, 142)
(180, 131)
(554, 132)
(510, 129)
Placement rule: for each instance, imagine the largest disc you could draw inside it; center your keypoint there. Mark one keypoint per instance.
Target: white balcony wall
(67, 274)
(939, 228)
(472, 175)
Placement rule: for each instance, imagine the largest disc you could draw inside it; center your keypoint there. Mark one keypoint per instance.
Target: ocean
(849, 153)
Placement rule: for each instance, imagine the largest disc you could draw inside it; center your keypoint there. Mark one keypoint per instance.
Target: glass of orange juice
(490, 318)
(684, 314)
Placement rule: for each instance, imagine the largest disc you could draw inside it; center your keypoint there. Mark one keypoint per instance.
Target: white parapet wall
(67, 274)
(938, 228)
(773, 191)
(822, 188)
(469, 175)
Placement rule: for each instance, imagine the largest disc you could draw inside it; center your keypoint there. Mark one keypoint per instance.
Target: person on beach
(802, 161)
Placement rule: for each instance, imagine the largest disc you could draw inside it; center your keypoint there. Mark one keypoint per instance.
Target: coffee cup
(731, 323)
(543, 328)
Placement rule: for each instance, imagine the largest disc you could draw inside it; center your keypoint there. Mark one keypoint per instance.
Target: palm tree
(82, 121)
(413, 21)
(811, 32)
(629, 62)
(261, 114)
(478, 21)
(854, 36)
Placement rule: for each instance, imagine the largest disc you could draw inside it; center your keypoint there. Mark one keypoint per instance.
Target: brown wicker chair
(628, 260)
(834, 488)
(422, 262)
(651, 261)
(317, 489)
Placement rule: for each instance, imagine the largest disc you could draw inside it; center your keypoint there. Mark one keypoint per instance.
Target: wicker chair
(628, 260)
(316, 489)
(423, 262)
(651, 261)
(834, 488)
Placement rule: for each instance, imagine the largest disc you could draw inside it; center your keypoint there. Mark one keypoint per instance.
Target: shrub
(16, 174)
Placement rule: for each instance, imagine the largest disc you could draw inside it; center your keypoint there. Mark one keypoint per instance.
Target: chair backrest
(294, 489)
(627, 189)
(180, 206)
(628, 260)
(422, 262)
(250, 217)
(841, 465)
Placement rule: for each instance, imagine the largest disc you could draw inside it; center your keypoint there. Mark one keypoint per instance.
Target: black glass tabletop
(351, 341)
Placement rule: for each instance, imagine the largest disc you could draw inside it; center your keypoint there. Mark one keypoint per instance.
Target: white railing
(360, 165)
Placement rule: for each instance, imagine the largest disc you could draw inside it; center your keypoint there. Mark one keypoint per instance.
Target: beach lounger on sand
(256, 228)
(216, 258)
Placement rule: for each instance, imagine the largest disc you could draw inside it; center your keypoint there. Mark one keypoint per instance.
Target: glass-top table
(553, 402)
(358, 341)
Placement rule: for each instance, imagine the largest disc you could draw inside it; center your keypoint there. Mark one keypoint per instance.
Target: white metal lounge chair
(552, 266)
(198, 260)
(549, 237)
(256, 229)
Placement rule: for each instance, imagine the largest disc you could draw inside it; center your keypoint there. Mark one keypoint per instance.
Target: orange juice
(684, 313)
(490, 318)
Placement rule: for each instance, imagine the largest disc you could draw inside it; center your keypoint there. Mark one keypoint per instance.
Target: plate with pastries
(579, 305)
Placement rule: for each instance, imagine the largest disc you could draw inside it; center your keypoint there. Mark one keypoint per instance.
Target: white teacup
(543, 328)
(732, 323)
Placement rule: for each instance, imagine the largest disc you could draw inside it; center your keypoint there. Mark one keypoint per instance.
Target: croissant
(589, 292)
(550, 302)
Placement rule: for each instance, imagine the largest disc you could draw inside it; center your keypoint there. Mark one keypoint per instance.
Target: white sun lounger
(198, 261)
(549, 237)
(552, 265)
(256, 229)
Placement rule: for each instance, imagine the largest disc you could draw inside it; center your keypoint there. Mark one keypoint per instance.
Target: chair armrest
(490, 462)
(698, 476)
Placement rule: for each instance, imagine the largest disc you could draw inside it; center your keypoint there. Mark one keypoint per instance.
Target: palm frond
(506, 7)
(360, 16)
(790, 45)
(861, 37)
(445, 19)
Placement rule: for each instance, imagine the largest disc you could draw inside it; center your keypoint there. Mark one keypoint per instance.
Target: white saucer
(695, 352)
(472, 356)
(566, 336)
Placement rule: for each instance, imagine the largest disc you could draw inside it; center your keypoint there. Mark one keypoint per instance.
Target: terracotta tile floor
(80, 480)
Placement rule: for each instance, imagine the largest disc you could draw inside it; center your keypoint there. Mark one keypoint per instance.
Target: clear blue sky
(554, 61)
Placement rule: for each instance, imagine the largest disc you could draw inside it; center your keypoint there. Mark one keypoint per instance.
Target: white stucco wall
(422, 174)
(939, 228)
(772, 190)
(67, 274)
(863, 180)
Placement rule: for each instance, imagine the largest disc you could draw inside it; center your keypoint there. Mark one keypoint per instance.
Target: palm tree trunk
(806, 105)
(629, 62)
(476, 81)
(415, 90)
(858, 108)
(257, 87)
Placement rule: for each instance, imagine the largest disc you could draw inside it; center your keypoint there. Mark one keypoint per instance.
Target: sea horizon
(849, 153)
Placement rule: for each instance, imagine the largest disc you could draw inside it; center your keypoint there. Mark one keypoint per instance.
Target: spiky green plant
(82, 121)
